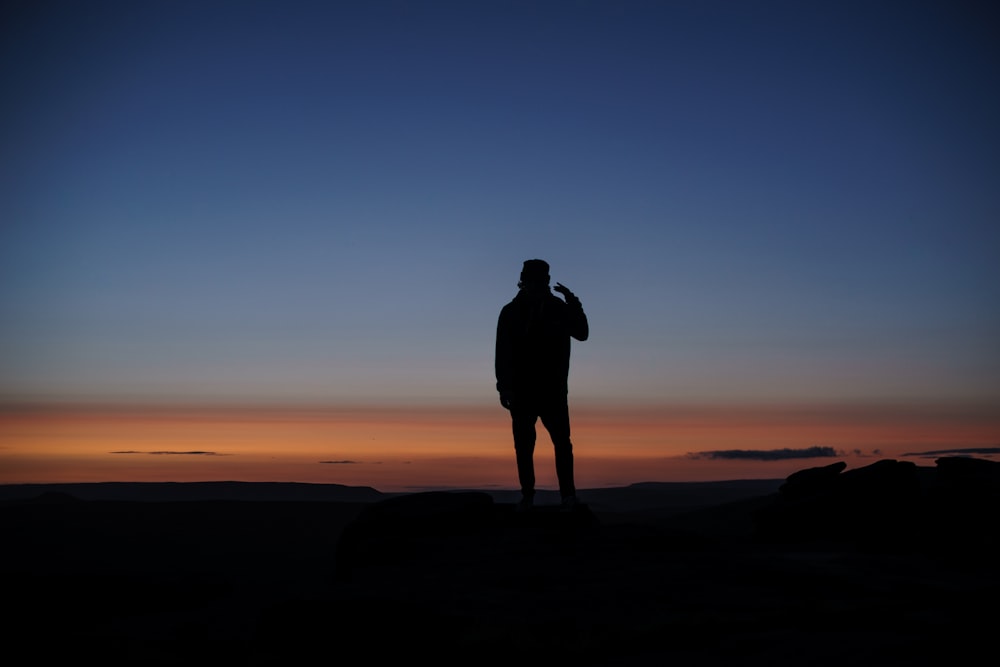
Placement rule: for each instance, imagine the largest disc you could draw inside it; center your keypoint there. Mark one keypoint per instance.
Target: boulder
(439, 530)
(889, 505)
(405, 527)
(875, 505)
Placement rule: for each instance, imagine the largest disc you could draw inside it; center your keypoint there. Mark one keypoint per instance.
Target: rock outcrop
(439, 529)
(889, 505)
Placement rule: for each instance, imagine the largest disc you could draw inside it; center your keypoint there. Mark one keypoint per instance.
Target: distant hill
(655, 496)
(192, 491)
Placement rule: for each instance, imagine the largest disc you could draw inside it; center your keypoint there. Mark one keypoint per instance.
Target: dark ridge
(653, 496)
(194, 491)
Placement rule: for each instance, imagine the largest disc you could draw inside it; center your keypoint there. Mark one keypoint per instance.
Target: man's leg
(523, 425)
(555, 418)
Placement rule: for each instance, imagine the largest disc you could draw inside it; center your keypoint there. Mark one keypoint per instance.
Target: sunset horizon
(401, 448)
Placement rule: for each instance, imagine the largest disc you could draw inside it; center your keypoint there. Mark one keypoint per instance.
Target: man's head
(534, 274)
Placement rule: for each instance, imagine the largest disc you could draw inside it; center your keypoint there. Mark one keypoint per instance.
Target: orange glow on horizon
(401, 449)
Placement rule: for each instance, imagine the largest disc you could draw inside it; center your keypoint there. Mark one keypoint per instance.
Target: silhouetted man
(532, 369)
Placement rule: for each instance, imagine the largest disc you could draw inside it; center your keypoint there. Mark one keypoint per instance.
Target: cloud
(988, 451)
(765, 454)
(345, 462)
(168, 453)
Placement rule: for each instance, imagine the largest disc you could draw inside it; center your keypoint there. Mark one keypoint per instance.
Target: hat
(535, 272)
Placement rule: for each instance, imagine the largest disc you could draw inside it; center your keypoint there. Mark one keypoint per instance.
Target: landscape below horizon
(889, 564)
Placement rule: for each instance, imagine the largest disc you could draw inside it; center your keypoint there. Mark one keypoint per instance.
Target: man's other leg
(523, 425)
(556, 422)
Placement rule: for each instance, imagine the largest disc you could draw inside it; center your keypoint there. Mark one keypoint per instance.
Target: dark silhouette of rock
(811, 481)
(890, 505)
(964, 470)
(962, 508)
(437, 527)
(859, 506)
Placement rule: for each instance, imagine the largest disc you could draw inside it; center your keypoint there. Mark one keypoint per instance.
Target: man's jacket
(533, 343)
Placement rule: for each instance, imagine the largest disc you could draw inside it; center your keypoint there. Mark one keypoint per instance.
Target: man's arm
(503, 359)
(579, 328)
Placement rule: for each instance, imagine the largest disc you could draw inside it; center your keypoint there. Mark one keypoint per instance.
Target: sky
(780, 217)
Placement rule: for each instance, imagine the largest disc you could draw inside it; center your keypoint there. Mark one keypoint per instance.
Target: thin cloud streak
(968, 451)
(765, 454)
(170, 453)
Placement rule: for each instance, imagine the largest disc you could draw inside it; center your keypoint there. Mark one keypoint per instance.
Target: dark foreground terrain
(885, 565)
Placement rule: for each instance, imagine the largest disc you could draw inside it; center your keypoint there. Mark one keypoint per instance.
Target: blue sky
(330, 201)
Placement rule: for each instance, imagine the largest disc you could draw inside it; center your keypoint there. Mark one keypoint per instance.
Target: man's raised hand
(562, 289)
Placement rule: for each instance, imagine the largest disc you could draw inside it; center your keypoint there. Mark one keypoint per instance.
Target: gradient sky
(327, 203)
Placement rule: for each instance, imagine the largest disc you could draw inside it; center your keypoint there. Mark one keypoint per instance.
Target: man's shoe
(570, 502)
(525, 504)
